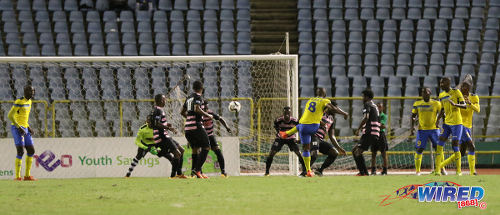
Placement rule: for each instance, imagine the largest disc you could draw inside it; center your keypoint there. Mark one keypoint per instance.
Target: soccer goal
(111, 96)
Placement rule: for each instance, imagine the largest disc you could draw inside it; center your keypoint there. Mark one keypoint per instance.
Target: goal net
(111, 96)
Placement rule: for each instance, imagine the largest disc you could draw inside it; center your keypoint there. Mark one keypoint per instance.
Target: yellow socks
(472, 163)
(439, 158)
(458, 161)
(418, 162)
(307, 162)
(18, 167)
(29, 161)
(291, 131)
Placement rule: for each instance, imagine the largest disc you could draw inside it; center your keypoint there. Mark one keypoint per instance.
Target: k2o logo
(48, 161)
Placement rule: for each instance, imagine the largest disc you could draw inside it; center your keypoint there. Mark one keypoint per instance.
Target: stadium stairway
(270, 21)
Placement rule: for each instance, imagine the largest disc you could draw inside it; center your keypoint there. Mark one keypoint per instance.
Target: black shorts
(198, 138)
(167, 146)
(381, 144)
(366, 141)
(278, 144)
(213, 141)
(321, 145)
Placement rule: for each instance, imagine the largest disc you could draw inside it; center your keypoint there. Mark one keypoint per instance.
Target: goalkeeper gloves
(153, 151)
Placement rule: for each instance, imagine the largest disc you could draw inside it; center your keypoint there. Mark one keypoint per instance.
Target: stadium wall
(100, 157)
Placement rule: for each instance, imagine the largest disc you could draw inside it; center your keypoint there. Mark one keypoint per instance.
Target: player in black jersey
(370, 128)
(193, 127)
(208, 123)
(284, 123)
(333, 149)
(160, 132)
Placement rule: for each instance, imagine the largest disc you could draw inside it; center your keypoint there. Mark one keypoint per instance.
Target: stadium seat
(79, 38)
(32, 50)
(64, 50)
(69, 5)
(81, 50)
(95, 38)
(146, 50)
(165, 5)
(97, 50)
(114, 50)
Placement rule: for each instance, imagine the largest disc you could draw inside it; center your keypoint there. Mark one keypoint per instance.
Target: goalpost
(110, 96)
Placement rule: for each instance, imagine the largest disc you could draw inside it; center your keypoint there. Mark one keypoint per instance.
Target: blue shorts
(306, 131)
(466, 135)
(424, 135)
(454, 130)
(20, 140)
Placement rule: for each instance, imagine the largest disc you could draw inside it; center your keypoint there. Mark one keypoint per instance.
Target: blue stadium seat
(195, 49)
(161, 38)
(95, 38)
(389, 36)
(193, 15)
(210, 15)
(452, 59)
(471, 46)
(29, 38)
(354, 48)
(335, 14)
(355, 37)
(371, 60)
(338, 60)
(180, 5)
(165, 5)
(178, 38)
(46, 38)
(243, 4)
(387, 60)
(430, 13)
(61, 27)
(178, 49)
(354, 60)
(160, 27)
(24, 16)
(144, 27)
(129, 50)
(414, 13)
(27, 27)
(127, 27)
(94, 27)
(339, 37)
(77, 27)
(114, 50)
(48, 50)
(462, 13)
(421, 48)
(445, 13)
(62, 38)
(75, 16)
(146, 50)
(491, 35)
(177, 27)
(307, 60)
(81, 50)
(110, 26)
(243, 49)
(129, 38)
(212, 5)
(243, 15)
(143, 16)
(226, 15)
(145, 38)
(458, 24)
(441, 25)
(32, 50)
(351, 14)
(420, 59)
(404, 60)
(227, 49)
(211, 37)
(97, 50)
(69, 5)
(162, 50)
(109, 16)
(194, 26)
(39, 6)
(13, 38)
(196, 5)
(353, 71)
(419, 71)
(79, 38)
(486, 58)
(211, 49)
(55, 5)
(403, 71)
(227, 37)
(226, 26)
(244, 37)
(64, 50)
(439, 36)
(406, 36)
(368, 14)
(338, 48)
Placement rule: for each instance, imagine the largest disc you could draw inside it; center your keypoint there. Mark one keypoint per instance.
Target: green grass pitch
(233, 195)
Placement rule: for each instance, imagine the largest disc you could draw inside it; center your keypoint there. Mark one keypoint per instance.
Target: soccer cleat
(283, 134)
(181, 176)
(459, 173)
(198, 175)
(18, 179)
(373, 173)
(223, 175)
(127, 175)
(310, 174)
(417, 174)
(475, 173)
(384, 173)
(266, 175)
(360, 174)
(318, 173)
(203, 175)
(30, 178)
(443, 171)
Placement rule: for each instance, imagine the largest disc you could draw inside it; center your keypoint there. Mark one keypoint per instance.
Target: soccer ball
(234, 106)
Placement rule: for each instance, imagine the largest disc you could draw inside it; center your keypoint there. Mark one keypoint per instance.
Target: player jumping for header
(309, 123)
(22, 132)
(452, 101)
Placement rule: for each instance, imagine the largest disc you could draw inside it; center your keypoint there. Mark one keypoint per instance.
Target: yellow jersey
(314, 111)
(469, 111)
(427, 113)
(21, 108)
(452, 113)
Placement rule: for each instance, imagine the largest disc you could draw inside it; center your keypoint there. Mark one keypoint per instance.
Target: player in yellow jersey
(427, 110)
(22, 132)
(309, 123)
(452, 101)
(472, 102)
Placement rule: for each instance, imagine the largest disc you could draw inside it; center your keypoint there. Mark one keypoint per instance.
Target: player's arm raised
(336, 110)
(197, 109)
(223, 122)
(331, 135)
(11, 117)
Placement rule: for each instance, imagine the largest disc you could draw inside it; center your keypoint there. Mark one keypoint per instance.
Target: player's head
(29, 92)
(198, 87)
(160, 100)
(465, 88)
(367, 95)
(426, 93)
(321, 92)
(287, 111)
(380, 107)
(445, 83)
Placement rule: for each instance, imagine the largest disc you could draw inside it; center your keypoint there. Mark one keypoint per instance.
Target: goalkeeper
(146, 143)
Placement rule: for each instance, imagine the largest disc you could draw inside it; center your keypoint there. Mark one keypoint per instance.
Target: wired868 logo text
(439, 191)
(49, 161)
